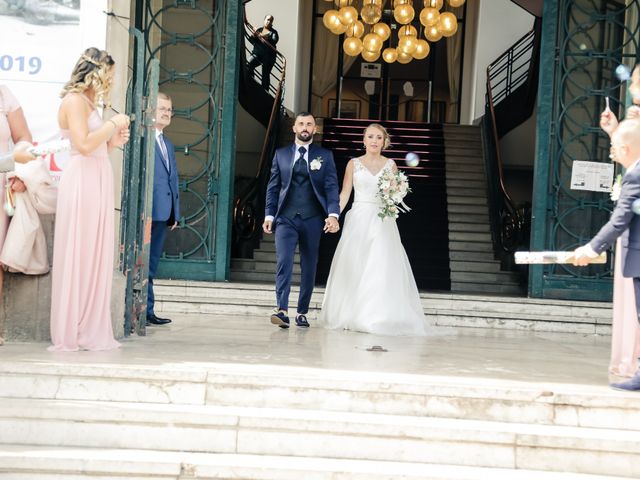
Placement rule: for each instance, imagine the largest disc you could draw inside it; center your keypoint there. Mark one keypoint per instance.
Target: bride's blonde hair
(385, 134)
(91, 72)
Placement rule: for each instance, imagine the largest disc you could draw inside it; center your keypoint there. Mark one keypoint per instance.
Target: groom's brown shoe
(280, 319)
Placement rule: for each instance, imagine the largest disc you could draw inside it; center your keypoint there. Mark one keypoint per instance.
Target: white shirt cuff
(588, 251)
(268, 217)
(334, 215)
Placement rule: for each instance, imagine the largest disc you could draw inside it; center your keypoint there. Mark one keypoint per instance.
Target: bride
(371, 286)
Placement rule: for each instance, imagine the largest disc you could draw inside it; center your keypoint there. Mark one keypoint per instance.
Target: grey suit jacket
(626, 223)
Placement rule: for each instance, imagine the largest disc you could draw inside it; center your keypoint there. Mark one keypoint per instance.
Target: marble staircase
(442, 309)
(471, 258)
(230, 421)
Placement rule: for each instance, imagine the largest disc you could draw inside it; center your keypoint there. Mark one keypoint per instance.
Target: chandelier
(434, 25)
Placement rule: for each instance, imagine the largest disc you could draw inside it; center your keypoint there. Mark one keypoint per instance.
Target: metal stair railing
(248, 208)
(515, 68)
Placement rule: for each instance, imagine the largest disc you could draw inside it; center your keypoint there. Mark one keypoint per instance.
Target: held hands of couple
(331, 225)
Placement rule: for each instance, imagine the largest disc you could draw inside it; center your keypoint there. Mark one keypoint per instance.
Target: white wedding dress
(371, 286)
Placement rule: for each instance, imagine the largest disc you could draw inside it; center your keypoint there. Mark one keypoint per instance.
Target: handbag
(9, 201)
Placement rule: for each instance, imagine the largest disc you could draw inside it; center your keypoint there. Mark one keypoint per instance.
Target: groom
(302, 202)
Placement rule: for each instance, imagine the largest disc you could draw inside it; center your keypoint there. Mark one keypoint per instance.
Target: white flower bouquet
(616, 188)
(392, 188)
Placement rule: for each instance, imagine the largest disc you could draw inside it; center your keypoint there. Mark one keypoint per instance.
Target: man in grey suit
(625, 149)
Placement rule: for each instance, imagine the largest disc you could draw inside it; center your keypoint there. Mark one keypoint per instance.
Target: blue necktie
(163, 151)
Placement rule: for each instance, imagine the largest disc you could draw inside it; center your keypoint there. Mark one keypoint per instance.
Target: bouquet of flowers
(616, 188)
(392, 188)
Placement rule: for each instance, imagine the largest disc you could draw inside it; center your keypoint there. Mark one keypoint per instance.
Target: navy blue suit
(300, 197)
(166, 210)
(625, 223)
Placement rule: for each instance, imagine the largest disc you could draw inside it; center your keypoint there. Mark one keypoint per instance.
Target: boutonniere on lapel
(316, 163)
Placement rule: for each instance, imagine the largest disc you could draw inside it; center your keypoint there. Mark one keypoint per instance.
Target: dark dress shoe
(632, 385)
(280, 319)
(301, 321)
(153, 320)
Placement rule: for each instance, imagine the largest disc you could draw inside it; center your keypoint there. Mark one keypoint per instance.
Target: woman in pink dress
(13, 128)
(84, 233)
(625, 330)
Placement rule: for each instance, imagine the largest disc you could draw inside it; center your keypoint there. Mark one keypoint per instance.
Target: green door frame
(580, 48)
(221, 163)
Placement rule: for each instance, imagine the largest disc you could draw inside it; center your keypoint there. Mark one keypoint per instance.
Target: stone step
(482, 218)
(480, 267)
(461, 175)
(47, 463)
(471, 256)
(478, 200)
(325, 434)
(262, 256)
(469, 227)
(434, 310)
(460, 167)
(252, 265)
(470, 246)
(467, 191)
(493, 277)
(470, 287)
(461, 183)
(460, 152)
(289, 387)
(466, 236)
(257, 276)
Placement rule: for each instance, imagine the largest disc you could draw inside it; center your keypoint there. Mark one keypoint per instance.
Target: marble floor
(197, 341)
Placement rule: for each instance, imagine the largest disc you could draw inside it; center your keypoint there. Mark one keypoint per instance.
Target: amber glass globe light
(407, 30)
(372, 42)
(448, 24)
(370, 56)
(389, 55)
(404, 14)
(403, 57)
(339, 29)
(400, 2)
(407, 44)
(429, 16)
(432, 33)
(456, 3)
(356, 29)
(348, 15)
(382, 30)
(352, 46)
(422, 50)
(371, 13)
(343, 3)
(331, 19)
(437, 4)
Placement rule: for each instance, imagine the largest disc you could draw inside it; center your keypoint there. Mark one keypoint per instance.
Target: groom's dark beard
(304, 136)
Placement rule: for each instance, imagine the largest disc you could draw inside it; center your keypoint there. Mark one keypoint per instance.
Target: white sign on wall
(40, 42)
(370, 70)
(592, 176)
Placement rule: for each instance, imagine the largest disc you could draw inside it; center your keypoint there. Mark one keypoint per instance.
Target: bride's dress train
(371, 286)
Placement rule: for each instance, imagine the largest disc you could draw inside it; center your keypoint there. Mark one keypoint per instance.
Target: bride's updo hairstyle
(385, 134)
(91, 72)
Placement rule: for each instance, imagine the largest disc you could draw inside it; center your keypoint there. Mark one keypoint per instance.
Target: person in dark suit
(166, 203)
(264, 43)
(625, 149)
(302, 202)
